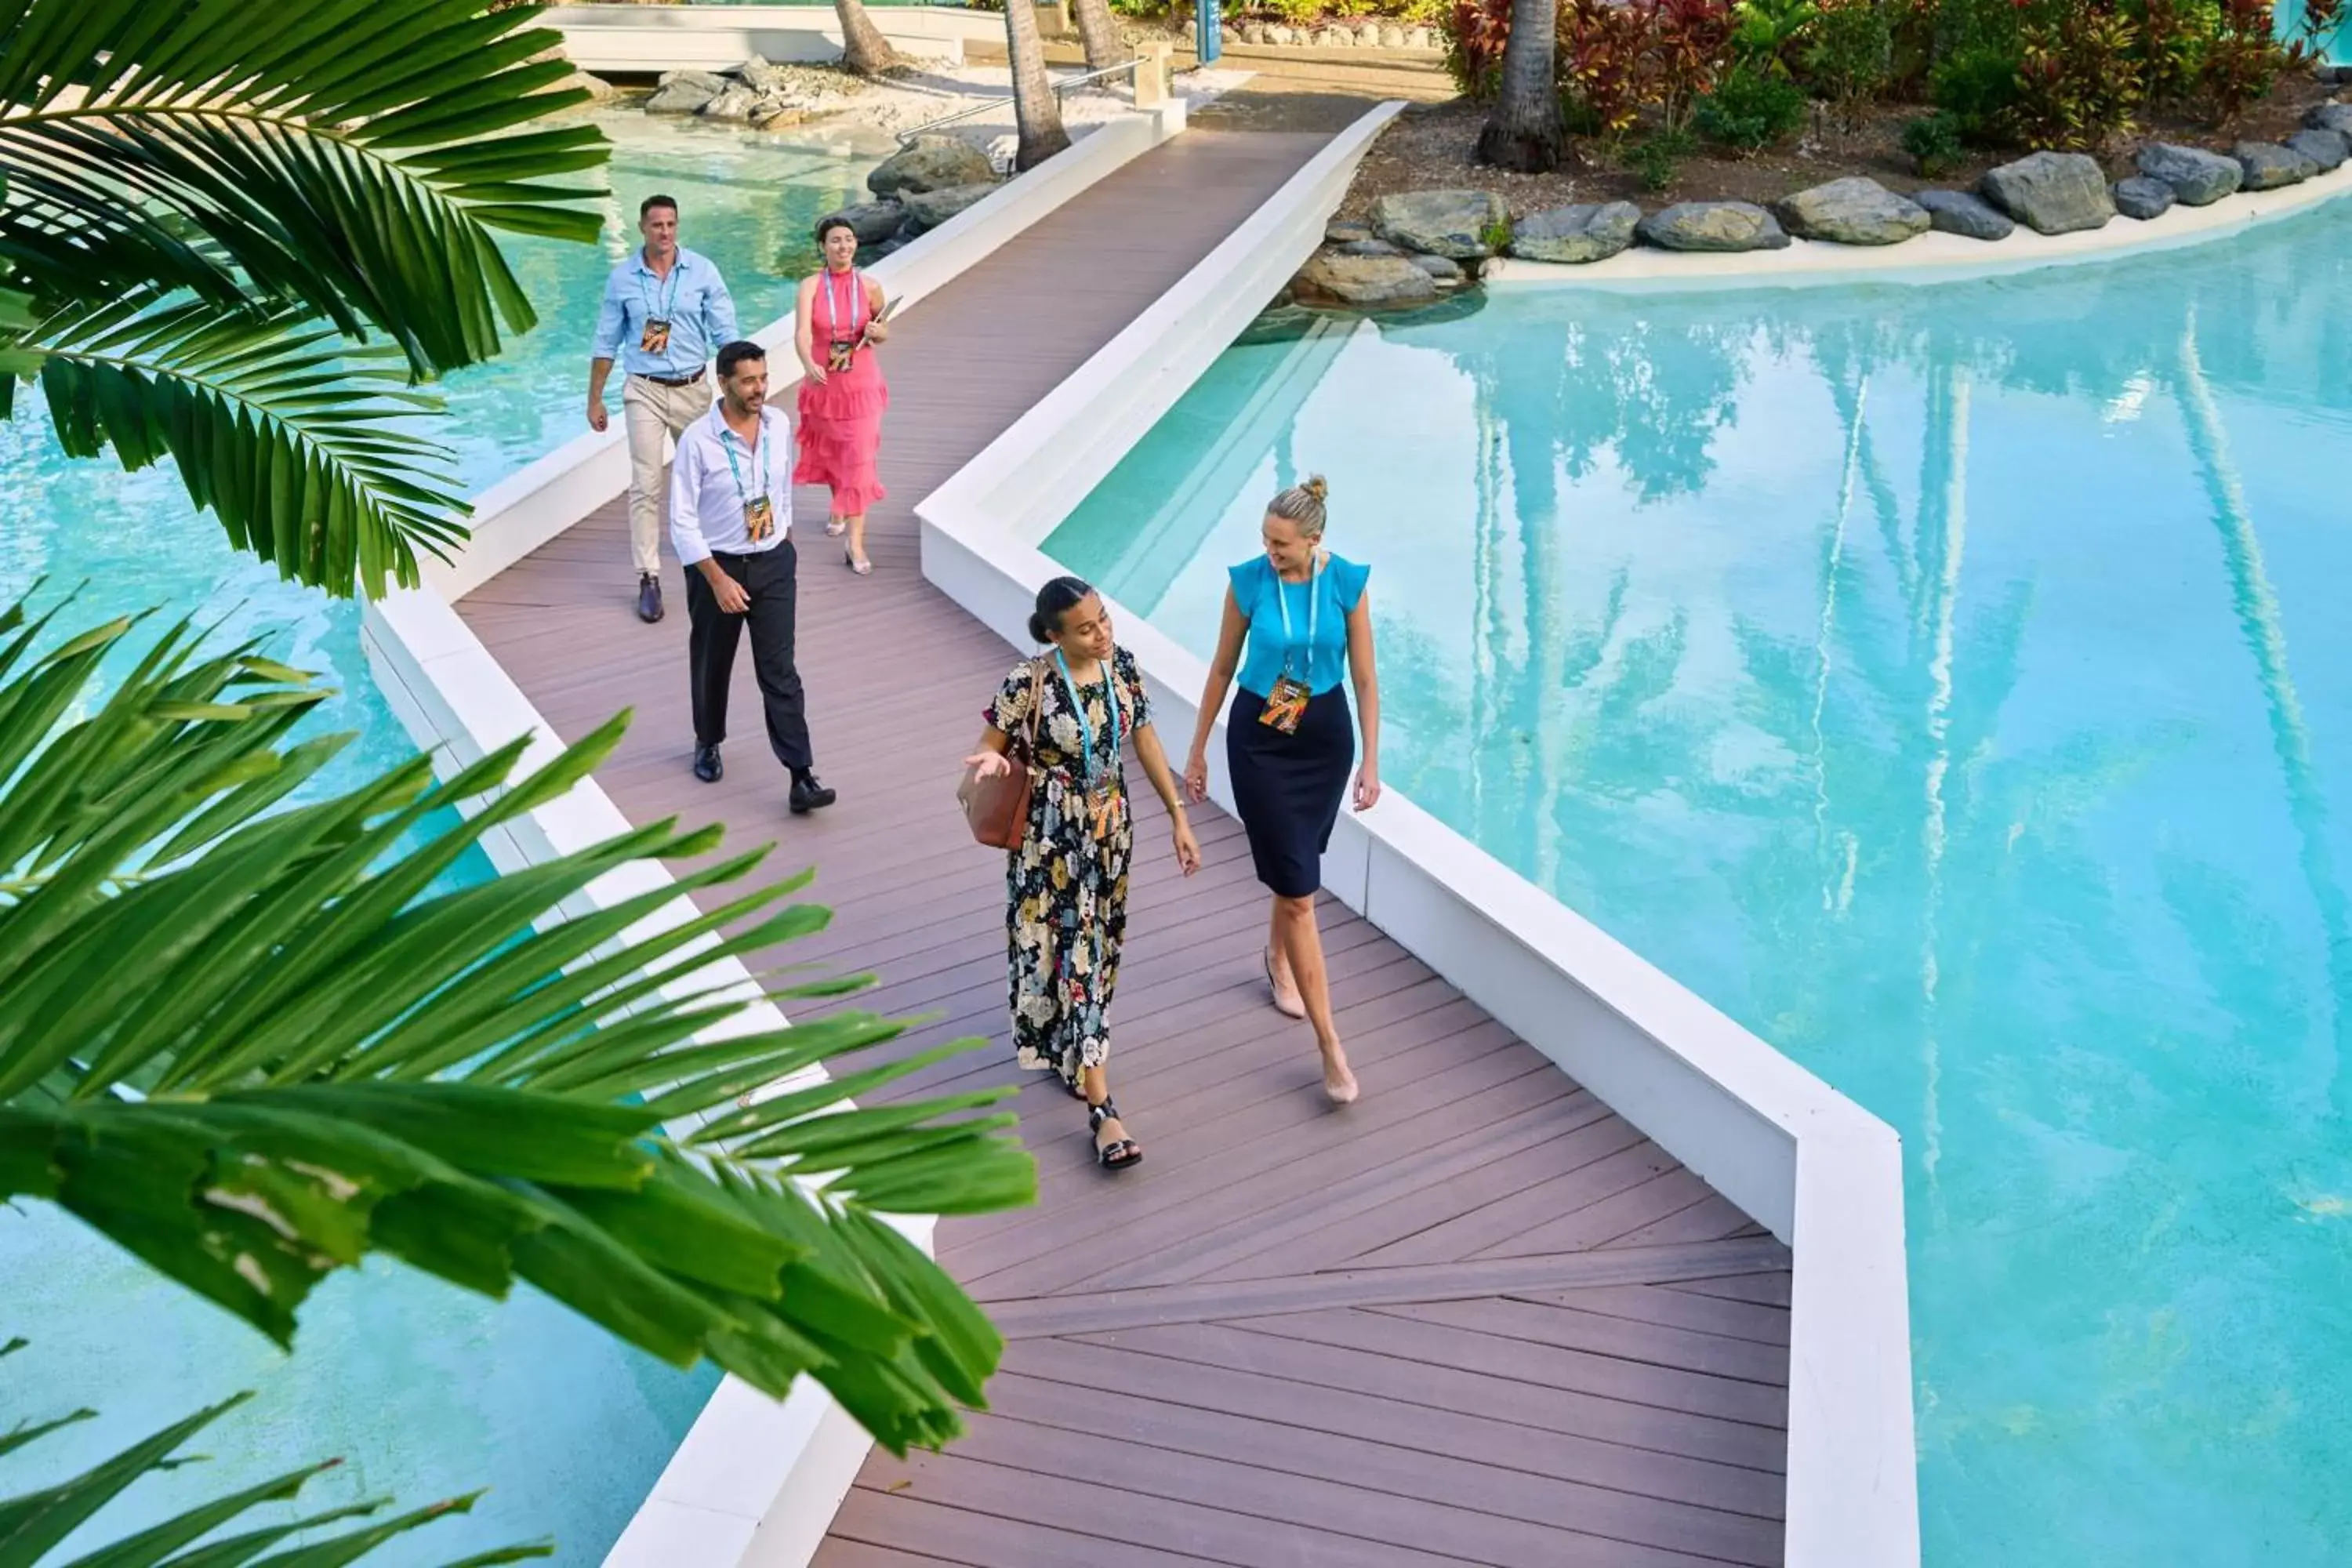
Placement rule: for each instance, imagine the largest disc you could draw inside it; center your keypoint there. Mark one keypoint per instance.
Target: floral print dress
(1065, 886)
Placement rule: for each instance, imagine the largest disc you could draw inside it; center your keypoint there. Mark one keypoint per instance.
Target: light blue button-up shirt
(715, 475)
(693, 299)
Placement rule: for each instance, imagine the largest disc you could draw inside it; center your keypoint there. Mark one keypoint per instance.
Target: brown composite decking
(1475, 1318)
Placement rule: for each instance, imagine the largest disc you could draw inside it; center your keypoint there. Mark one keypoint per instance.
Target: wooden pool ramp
(1475, 1319)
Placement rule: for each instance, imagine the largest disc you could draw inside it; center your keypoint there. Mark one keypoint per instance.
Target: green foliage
(1655, 160)
(1605, 61)
(1690, 48)
(321, 1059)
(1934, 142)
(1977, 87)
(33, 1524)
(204, 223)
(1766, 34)
(1849, 56)
(2242, 62)
(2078, 81)
(1475, 33)
(1748, 109)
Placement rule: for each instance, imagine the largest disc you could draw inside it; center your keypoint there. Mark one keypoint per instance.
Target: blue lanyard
(1086, 725)
(1314, 602)
(726, 437)
(669, 303)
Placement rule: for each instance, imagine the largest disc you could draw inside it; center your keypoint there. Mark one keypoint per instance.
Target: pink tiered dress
(841, 421)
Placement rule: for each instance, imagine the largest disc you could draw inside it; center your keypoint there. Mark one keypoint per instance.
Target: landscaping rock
(1449, 274)
(1366, 247)
(764, 77)
(684, 92)
(1420, 38)
(2269, 165)
(2198, 177)
(735, 102)
(2336, 117)
(927, 210)
(773, 113)
(1344, 231)
(1855, 211)
(1966, 214)
(1368, 282)
(1451, 223)
(2142, 196)
(872, 221)
(1713, 226)
(1391, 36)
(2054, 193)
(933, 163)
(2328, 148)
(1589, 231)
(1279, 34)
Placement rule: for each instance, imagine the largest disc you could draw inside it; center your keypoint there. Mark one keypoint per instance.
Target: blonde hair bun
(1318, 486)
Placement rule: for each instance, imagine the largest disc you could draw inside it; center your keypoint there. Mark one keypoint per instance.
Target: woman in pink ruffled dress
(835, 327)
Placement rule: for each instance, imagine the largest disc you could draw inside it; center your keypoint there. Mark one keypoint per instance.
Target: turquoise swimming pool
(428, 1393)
(1951, 683)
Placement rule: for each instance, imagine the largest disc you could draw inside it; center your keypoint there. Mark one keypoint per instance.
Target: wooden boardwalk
(1475, 1318)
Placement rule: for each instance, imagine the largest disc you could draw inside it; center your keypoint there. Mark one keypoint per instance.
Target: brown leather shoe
(649, 605)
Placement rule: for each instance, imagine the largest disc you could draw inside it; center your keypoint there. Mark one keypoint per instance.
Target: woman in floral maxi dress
(1066, 884)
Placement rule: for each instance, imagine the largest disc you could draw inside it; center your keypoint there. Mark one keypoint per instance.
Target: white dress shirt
(715, 476)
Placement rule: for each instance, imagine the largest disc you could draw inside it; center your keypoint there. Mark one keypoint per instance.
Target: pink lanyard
(833, 306)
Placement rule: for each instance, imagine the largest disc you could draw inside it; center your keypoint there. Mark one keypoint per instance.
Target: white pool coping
(614, 39)
(756, 1483)
(1822, 1173)
(1932, 257)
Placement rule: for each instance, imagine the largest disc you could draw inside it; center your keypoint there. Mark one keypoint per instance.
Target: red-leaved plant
(1475, 32)
(1605, 61)
(1690, 49)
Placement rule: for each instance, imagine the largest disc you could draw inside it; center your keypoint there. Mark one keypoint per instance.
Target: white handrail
(1066, 84)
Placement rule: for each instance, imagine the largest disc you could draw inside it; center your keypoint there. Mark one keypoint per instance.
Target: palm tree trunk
(1523, 132)
(1098, 34)
(1036, 112)
(863, 50)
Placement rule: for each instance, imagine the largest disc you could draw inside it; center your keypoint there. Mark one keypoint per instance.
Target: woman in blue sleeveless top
(1289, 739)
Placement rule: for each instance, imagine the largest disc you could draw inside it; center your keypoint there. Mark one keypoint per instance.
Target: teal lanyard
(1314, 602)
(1086, 725)
(669, 303)
(833, 306)
(727, 438)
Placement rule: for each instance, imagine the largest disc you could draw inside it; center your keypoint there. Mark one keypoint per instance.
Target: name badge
(760, 518)
(837, 360)
(654, 338)
(1285, 706)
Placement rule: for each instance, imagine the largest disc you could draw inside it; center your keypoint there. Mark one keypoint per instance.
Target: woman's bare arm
(804, 330)
(1365, 673)
(1231, 630)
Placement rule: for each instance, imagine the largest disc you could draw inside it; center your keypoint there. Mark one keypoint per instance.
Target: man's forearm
(598, 371)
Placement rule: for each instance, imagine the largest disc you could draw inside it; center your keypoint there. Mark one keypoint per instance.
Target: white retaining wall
(757, 1481)
(1822, 1173)
(635, 39)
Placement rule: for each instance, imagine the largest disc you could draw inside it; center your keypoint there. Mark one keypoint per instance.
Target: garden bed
(1434, 145)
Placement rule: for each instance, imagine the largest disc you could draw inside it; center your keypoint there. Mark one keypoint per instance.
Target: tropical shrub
(1475, 32)
(2078, 79)
(1657, 159)
(2171, 47)
(1750, 109)
(1766, 34)
(2242, 62)
(1849, 57)
(1690, 48)
(1934, 142)
(1977, 86)
(1604, 62)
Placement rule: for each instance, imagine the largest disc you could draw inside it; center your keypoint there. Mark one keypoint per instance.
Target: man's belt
(673, 380)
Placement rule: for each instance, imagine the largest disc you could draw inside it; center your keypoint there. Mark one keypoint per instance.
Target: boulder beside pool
(2270, 166)
(1586, 232)
(1456, 225)
(1713, 226)
(1852, 211)
(1966, 214)
(2051, 192)
(2198, 178)
(2142, 196)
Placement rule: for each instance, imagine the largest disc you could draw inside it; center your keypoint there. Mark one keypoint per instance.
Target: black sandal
(1119, 1153)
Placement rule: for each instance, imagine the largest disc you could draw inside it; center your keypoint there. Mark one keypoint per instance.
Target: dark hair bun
(1055, 600)
(1038, 630)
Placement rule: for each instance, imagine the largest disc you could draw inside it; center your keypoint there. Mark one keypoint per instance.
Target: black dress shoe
(706, 765)
(808, 794)
(649, 605)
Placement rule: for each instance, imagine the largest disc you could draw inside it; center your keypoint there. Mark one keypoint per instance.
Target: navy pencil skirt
(1288, 787)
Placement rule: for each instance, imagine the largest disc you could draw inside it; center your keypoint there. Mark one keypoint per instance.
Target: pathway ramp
(1475, 1319)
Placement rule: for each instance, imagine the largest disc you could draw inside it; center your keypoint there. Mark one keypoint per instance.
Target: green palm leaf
(246, 1039)
(208, 227)
(33, 1524)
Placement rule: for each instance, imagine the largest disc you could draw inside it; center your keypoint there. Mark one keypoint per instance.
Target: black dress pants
(769, 580)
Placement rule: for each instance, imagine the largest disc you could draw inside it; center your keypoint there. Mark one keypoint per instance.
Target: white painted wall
(757, 1481)
(618, 38)
(1822, 1172)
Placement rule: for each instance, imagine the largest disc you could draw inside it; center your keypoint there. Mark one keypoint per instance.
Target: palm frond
(34, 1524)
(317, 1057)
(304, 444)
(350, 157)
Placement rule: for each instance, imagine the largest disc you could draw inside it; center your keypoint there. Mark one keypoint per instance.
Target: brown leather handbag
(997, 805)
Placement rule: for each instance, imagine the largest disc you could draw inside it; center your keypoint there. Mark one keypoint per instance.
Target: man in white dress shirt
(731, 516)
(666, 310)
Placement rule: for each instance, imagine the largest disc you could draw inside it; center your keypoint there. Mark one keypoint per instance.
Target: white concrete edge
(536, 502)
(754, 1476)
(712, 37)
(1932, 257)
(1818, 1170)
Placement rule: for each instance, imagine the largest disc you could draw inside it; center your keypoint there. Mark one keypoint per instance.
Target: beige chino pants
(653, 415)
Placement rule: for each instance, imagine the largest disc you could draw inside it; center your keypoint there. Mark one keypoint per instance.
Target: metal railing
(989, 106)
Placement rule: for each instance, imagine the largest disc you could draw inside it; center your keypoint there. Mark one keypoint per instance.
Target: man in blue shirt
(665, 312)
